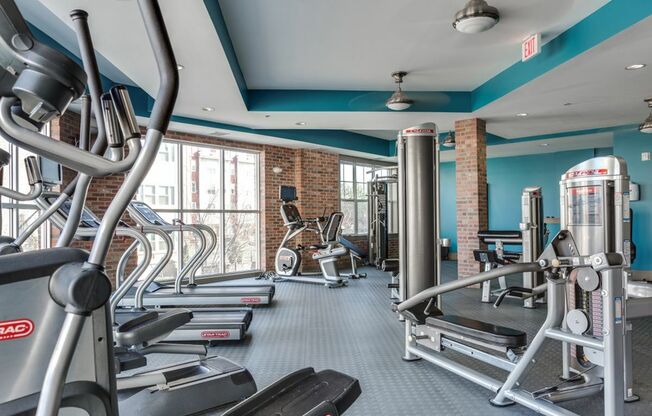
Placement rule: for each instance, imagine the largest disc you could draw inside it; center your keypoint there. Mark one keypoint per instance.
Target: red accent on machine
(250, 300)
(215, 334)
(588, 172)
(15, 329)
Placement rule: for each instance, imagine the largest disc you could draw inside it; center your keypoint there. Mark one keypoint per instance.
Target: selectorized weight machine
(531, 238)
(594, 339)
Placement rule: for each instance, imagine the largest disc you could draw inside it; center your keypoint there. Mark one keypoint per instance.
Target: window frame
(222, 213)
(355, 162)
(16, 166)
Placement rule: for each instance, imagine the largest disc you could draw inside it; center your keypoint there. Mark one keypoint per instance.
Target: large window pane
(240, 180)
(354, 182)
(241, 242)
(348, 223)
(26, 217)
(159, 189)
(362, 217)
(346, 190)
(346, 172)
(201, 177)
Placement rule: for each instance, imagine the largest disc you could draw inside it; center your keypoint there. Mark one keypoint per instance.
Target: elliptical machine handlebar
(80, 303)
(34, 179)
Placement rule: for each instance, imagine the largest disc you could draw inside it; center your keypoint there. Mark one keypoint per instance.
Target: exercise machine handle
(33, 171)
(124, 112)
(113, 135)
(468, 281)
(514, 289)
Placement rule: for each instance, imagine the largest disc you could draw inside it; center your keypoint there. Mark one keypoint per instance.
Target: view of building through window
(16, 215)
(218, 187)
(354, 178)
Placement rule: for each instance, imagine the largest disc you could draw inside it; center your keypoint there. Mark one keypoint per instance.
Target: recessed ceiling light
(567, 104)
(635, 66)
(300, 123)
(268, 115)
(208, 108)
(180, 67)
(521, 115)
(544, 144)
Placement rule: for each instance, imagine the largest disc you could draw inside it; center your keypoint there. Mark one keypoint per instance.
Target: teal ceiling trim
(215, 13)
(609, 20)
(351, 101)
(573, 133)
(340, 139)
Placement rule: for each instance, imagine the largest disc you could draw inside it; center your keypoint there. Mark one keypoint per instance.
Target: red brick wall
(471, 182)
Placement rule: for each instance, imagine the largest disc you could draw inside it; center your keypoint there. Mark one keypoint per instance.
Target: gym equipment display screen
(287, 193)
(585, 205)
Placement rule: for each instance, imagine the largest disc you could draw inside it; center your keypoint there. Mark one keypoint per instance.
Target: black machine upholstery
(290, 214)
(499, 234)
(332, 228)
(480, 331)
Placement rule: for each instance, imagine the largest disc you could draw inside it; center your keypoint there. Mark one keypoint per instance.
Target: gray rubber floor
(353, 330)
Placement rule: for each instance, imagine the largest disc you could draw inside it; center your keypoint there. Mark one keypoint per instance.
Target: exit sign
(531, 47)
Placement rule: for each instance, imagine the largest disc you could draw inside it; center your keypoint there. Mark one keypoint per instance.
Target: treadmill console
(147, 213)
(88, 219)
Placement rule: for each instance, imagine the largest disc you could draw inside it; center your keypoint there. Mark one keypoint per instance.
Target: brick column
(471, 182)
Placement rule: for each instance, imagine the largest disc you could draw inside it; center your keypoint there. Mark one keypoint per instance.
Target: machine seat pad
(499, 234)
(512, 255)
(480, 331)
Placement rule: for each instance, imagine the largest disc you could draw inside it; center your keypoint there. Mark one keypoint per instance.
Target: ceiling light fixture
(268, 115)
(477, 16)
(300, 123)
(635, 67)
(399, 101)
(544, 144)
(521, 114)
(646, 127)
(449, 141)
(180, 67)
(209, 109)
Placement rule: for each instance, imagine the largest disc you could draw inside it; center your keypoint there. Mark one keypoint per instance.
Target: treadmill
(209, 325)
(191, 295)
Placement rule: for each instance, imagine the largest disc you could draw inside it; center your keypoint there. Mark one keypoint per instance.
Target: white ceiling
(603, 93)
(357, 44)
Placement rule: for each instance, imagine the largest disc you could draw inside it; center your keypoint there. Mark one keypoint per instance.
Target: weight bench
(478, 331)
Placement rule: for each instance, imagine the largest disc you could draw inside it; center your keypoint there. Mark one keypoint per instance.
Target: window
(16, 215)
(210, 185)
(354, 178)
(167, 153)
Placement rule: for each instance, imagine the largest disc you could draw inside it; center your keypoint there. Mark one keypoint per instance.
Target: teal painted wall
(630, 145)
(507, 177)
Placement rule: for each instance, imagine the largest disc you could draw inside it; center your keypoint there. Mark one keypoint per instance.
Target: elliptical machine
(288, 259)
(57, 350)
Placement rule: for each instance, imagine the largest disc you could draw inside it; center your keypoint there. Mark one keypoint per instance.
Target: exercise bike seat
(480, 331)
(149, 326)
